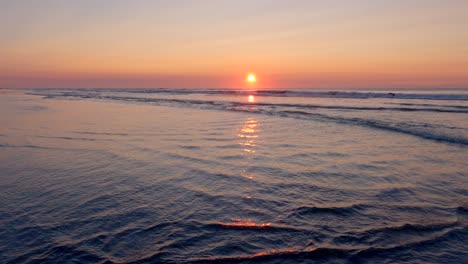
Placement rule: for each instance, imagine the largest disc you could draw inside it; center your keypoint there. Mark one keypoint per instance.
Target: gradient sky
(296, 44)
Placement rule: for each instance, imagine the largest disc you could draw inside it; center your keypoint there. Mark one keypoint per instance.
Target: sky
(216, 43)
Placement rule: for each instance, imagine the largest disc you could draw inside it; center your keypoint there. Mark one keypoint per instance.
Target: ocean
(233, 176)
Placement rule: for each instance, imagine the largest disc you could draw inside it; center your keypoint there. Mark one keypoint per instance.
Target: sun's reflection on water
(249, 134)
(245, 223)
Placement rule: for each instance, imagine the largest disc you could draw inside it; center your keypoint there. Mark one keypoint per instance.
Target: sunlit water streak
(205, 176)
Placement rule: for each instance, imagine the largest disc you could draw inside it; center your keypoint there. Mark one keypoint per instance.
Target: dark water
(201, 176)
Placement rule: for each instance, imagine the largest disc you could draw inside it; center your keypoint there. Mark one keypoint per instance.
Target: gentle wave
(430, 105)
(301, 111)
(170, 185)
(405, 128)
(279, 93)
(341, 211)
(290, 254)
(31, 146)
(420, 244)
(245, 224)
(343, 247)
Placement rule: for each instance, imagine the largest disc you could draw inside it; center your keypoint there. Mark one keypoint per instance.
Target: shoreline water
(108, 177)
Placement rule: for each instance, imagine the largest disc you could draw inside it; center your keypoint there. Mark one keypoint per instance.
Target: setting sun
(251, 78)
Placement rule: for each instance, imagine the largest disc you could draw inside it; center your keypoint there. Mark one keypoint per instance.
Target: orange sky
(288, 44)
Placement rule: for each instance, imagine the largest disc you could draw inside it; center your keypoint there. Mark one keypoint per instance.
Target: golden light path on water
(248, 135)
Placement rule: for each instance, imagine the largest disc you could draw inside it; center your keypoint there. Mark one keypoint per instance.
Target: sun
(251, 78)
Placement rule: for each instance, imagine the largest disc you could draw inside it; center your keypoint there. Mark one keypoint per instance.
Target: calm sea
(233, 176)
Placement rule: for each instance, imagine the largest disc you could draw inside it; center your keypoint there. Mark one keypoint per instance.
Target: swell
(296, 112)
(335, 107)
(100, 133)
(239, 224)
(286, 255)
(75, 138)
(403, 128)
(355, 253)
(408, 228)
(457, 233)
(38, 147)
(430, 105)
(432, 234)
(58, 253)
(340, 211)
(406, 232)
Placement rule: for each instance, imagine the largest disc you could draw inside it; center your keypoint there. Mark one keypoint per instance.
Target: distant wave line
(404, 128)
(284, 93)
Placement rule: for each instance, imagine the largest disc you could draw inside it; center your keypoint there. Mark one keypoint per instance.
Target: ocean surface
(233, 176)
